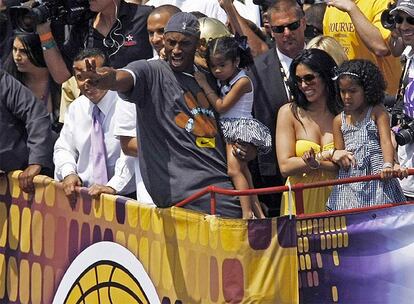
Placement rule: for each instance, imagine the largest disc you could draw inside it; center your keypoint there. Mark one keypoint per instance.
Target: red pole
(213, 202)
(297, 188)
(299, 199)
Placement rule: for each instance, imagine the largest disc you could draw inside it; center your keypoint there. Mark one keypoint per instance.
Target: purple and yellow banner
(115, 250)
(361, 257)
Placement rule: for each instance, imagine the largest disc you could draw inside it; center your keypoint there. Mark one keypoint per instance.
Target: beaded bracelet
(317, 166)
(331, 153)
(48, 45)
(319, 156)
(46, 37)
(387, 166)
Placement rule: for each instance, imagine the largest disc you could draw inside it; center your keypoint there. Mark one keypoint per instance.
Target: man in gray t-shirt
(180, 148)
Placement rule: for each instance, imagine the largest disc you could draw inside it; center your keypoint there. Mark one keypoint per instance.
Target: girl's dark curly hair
(230, 48)
(322, 64)
(367, 75)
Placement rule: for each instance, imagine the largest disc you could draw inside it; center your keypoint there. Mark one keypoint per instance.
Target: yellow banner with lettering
(118, 250)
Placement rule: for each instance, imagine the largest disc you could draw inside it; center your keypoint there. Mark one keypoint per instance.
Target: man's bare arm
(107, 78)
(369, 34)
(53, 58)
(240, 26)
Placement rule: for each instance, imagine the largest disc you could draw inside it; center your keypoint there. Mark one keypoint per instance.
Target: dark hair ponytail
(230, 48)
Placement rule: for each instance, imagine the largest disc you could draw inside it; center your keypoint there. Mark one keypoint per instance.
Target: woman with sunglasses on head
(304, 128)
(26, 64)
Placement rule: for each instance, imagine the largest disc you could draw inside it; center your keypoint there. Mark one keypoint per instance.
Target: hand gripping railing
(297, 188)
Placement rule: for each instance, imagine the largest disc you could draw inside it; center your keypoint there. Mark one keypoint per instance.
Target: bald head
(156, 22)
(165, 9)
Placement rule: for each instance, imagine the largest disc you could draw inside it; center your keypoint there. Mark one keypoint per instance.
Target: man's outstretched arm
(107, 78)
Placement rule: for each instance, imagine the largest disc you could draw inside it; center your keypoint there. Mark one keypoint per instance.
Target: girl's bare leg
(235, 172)
(255, 204)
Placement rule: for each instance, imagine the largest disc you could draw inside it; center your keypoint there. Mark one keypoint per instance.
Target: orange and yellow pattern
(190, 257)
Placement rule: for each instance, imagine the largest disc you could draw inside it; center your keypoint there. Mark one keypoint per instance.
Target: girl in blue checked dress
(226, 56)
(362, 137)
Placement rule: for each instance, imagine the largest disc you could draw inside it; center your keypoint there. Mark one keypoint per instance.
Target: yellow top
(314, 200)
(338, 25)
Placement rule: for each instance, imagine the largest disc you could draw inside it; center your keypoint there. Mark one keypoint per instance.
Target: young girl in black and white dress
(226, 59)
(362, 138)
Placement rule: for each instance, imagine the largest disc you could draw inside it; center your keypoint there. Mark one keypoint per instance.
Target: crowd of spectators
(126, 101)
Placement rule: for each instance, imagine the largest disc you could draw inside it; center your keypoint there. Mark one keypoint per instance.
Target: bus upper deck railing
(297, 189)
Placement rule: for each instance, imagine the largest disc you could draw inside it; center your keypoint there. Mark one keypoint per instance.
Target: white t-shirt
(126, 125)
(212, 8)
(248, 10)
(209, 7)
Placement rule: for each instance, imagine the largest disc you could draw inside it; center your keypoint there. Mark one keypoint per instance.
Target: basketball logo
(106, 272)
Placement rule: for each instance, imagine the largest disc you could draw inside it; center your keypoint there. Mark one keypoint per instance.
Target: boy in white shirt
(75, 163)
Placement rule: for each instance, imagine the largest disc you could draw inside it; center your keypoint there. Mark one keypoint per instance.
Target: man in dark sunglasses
(404, 22)
(269, 74)
(356, 25)
(288, 28)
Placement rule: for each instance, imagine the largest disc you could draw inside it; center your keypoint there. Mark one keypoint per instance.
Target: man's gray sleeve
(29, 113)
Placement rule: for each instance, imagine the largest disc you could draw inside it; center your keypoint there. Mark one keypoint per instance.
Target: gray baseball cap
(184, 23)
(406, 6)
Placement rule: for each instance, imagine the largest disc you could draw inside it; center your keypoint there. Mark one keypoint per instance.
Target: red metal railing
(297, 189)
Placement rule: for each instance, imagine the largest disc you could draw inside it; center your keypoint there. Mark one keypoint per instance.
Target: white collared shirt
(73, 147)
(126, 125)
(285, 61)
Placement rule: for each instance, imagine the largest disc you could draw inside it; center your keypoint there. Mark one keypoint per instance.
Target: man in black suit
(269, 73)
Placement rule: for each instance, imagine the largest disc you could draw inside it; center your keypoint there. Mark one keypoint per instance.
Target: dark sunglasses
(281, 28)
(399, 19)
(308, 78)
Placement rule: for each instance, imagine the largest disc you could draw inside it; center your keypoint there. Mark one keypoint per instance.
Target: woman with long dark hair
(304, 134)
(26, 64)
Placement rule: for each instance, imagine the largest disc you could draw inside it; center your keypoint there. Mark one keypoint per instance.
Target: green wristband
(48, 45)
